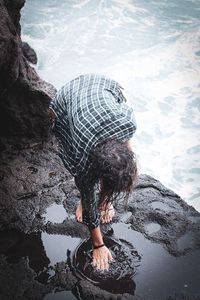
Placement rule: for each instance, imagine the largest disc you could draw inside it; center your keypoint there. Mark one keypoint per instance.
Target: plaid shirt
(89, 109)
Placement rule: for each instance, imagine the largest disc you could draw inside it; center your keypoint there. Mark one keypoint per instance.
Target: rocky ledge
(44, 252)
(155, 239)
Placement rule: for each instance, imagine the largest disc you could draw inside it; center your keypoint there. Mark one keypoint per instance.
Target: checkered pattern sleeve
(91, 216)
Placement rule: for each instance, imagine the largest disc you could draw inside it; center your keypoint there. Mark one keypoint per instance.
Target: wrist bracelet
(97, 247)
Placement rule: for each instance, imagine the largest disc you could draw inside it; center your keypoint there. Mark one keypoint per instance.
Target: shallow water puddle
(41, 250)
(56, 246)
(153, 272)
(55, 213)
(160, 273)
(16, 245)
(152, 227)
(186, 241)
(119, 278)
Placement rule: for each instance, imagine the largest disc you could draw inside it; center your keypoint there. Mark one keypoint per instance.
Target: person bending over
(94, 127)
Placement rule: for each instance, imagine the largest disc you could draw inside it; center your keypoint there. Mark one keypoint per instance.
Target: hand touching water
(101, 258)
(101, 255)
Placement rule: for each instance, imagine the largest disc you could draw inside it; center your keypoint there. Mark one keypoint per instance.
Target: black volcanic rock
(13, 8)
(158, 228)
(29, 53)
(155, 239)
(24, 96)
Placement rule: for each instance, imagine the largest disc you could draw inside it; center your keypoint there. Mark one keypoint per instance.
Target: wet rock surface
(156, 249)
(35, 189)
(164, 218)
(44, 252)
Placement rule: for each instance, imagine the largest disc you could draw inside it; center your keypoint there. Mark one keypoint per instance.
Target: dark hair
(115, 165)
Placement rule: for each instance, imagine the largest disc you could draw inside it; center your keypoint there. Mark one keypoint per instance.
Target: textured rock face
(24, 97)
(29, 53)
(13, 8)
(155, 240)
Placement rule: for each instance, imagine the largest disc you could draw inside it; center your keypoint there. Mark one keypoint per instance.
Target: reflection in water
(15, 245)
(42, 250)
(152, 274)
(55, 213)
(56, 246)
(186, 241)
(152, 227)
(160, 273)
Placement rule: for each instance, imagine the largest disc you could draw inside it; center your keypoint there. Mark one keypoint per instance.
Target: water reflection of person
(94, 127)
(15, 245)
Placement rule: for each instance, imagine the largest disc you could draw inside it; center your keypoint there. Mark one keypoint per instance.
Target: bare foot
(79, 212)
(107, 213)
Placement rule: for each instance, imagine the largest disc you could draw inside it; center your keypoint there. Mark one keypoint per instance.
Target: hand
(101, 258)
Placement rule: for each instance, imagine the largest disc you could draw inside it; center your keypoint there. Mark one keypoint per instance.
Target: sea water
(152, 48)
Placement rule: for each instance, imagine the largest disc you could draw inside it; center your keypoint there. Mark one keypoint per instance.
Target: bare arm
(96, 236)
(102, 255)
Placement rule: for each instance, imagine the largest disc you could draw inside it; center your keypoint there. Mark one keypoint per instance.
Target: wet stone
(119, 277)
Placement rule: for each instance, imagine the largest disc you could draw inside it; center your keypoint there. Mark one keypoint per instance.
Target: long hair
(114, 164)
